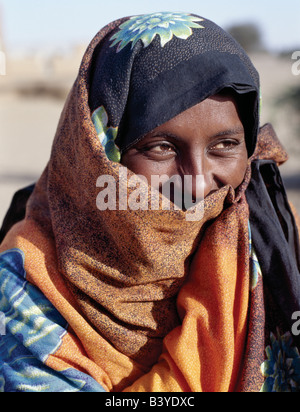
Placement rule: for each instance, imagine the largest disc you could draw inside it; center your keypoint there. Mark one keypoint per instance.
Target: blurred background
(42, 43)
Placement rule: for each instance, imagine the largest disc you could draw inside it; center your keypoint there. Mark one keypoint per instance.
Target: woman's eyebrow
(228, 132)
(164, 134)
(231, 132)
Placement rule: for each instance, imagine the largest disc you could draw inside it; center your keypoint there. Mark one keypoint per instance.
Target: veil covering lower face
(110, 293)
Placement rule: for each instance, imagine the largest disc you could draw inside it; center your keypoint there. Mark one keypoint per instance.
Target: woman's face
(207, 139)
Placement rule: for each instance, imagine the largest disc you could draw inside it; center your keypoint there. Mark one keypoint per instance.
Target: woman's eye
(224, 145)
(161, 149)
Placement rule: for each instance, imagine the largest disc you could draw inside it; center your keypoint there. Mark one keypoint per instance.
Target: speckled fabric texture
(125, 268)
(153, 301)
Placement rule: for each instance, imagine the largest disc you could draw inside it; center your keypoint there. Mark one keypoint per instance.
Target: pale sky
(59, 24)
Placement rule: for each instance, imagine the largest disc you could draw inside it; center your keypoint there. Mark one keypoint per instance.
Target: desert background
(35, 86)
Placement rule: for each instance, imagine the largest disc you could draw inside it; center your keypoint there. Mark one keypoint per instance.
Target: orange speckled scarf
(108, 295)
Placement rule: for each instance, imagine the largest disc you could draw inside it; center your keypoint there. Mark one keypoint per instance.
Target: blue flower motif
(146, 27)
(107, 135)
(282, 368)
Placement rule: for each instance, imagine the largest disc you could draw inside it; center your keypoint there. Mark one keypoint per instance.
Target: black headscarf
(143, 85)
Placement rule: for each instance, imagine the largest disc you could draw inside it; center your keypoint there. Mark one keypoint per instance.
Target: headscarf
(129, 285)
(151, 68)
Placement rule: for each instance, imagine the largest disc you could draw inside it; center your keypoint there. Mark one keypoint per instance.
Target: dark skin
(207, 139)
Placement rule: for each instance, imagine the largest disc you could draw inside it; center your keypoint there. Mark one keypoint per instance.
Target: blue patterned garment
(31, 330)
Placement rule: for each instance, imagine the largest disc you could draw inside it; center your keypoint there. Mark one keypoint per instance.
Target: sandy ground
(28, 124)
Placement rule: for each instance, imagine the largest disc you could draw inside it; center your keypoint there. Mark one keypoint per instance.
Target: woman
(104, 290)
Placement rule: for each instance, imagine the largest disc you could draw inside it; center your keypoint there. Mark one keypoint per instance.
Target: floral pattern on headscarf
(256, 272)
(107, 135)
(146, 27)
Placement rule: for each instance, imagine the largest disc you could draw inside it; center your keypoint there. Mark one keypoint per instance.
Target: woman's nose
(198, 177)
